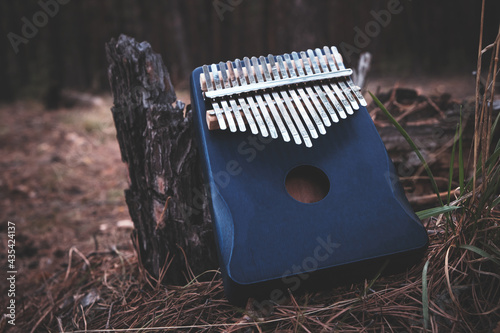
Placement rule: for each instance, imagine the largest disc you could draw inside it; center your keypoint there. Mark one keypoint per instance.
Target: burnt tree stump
(166, 197)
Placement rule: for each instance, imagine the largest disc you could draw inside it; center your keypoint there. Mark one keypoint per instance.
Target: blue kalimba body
(302, 191)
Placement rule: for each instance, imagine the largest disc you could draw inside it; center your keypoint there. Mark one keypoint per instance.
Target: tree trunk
(166, 197)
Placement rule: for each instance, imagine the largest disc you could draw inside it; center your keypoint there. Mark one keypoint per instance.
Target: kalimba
(302, 191)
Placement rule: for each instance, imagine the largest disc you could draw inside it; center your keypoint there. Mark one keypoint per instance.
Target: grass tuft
(412, 145)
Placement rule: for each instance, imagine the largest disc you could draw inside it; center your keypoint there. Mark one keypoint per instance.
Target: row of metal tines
(296, 95)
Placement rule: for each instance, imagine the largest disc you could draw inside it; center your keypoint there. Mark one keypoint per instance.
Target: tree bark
(166, 197)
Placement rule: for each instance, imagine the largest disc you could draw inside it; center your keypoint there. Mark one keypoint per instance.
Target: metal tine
(265, 70)
(250, 73)
(305, 61)
(274, 68)
(256, 69)
(234, 107)
(241, 101)
(304, 114)
(286, 59)
(302, 130)
(223, 72)
(329, 93)
(267, 97)
(232, 76)
(225, 106)
(208, 79)
(239, 72)
(215, 73)
(276, 99)
(298, 64)
(310, 92)
(340, 82)
(215, 105)
(351, 85)
(229, 116)
(336, 89)
(260, 101)
(253, 106)
(305, 98)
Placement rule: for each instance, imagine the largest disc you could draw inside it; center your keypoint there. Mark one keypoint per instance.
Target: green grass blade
(425, 296)
(452, 162)
(450, 178)
(460, 156)
(412, 145)
(495, 202)
(482, 253)
(426, 213)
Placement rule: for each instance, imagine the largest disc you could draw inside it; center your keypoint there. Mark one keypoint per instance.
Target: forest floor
(62, 181)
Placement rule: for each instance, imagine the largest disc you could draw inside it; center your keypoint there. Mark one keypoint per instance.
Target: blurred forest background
(67, 50)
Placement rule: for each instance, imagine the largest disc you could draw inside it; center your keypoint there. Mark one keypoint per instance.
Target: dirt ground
(62, 180)
(61, 183)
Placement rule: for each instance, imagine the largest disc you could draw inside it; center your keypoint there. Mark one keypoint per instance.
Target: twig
(192, 276)
(42, 318)
(435, 107)
(84, 318)
(413, 108)
(59, 323)
(74, 249)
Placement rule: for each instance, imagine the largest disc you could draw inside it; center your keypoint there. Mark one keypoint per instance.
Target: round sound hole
(307, 184)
